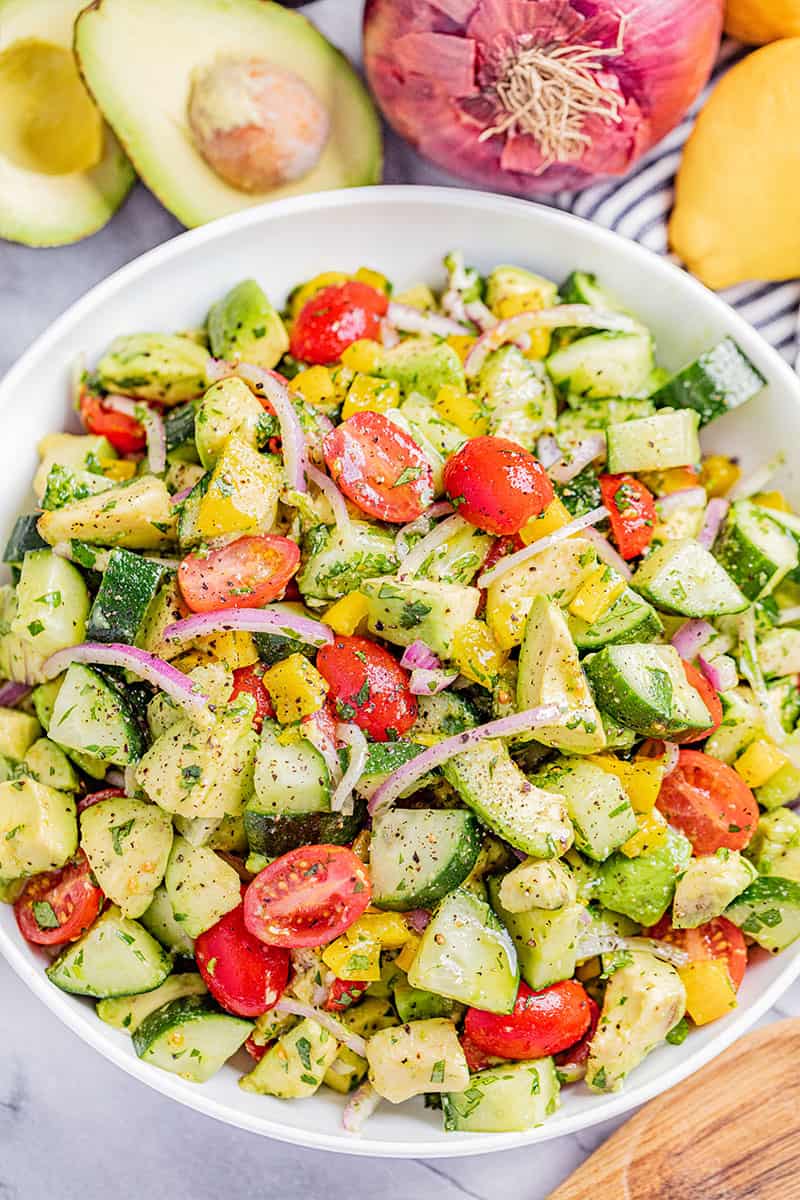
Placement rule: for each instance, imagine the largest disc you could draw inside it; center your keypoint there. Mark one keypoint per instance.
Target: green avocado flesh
(62, 171)
(139, 58)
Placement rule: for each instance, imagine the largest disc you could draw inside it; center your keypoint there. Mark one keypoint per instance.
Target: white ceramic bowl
(403, 231)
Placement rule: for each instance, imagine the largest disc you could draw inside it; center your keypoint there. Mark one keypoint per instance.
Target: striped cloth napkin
(639, 209)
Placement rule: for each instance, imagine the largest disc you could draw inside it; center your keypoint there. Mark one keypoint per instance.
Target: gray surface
(71, 1124)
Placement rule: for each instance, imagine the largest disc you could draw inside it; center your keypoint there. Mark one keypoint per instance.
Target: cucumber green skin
(752, 570)
(546, 939)
(160, 963)
(630, 619)
(613, 693)
(159, 920)
(451, 873)
(601, 365)
(120, 608)
(769, 911)
(273, 648)
(24, 537)
(182, 1014)
(179, 430)
(719, 380)
(273, 835)
(581, 287)
(507, 1099)
(416, 1004)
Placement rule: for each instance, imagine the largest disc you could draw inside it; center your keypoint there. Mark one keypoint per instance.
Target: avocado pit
(256, 126)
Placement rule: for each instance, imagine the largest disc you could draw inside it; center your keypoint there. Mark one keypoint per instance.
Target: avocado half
(139, 58)
(62, 172)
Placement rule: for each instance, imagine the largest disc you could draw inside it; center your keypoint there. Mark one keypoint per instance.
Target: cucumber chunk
(48, 764)
(120, 609)
(415, 1004)
(507, 1099)
(598, 806)
(52, 603)
(603, 364)
(669, 439)
(190, 1037)
(92, 716)
(681, 577)
(645, 687)
(18, 732)
(419, 855)
(754, 550)
(115, 957)
(546, 939)
(467, 955)
(769, 911)
(38, 828)
(272, 834)
(720, 379)
(289, 777)
(630, 619)
(159, 919)
(294, 1067)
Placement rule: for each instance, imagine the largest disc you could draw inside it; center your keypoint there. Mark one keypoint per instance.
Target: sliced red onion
(425, 681)
(153, 425)
(721, 672)
(671, 755)
(418, 918)
(353, 738)
(608, 554)
(425, 546)
(480, 315)
(332, 494)
(454, 306)
(751, 670)
(130, 784)
(12, 694)
(217, 369)
(419, 654)
(342, 1034)
(691, 636)
(586, 451)
(314, 731)
(412, 320)
(434, 756)
(253, 620)
(389, 335)
(360, 1107)
(293, 442)
(514, 560)
(115, 778)
(594, 943)
(179, 687)
(750, 484)
(694, 497)
(420, 525)
(548, 450)
(577, 316)
(789, 615)
(180, 496)
(715, 515)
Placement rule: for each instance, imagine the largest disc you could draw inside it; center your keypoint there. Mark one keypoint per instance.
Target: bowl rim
(27, 967)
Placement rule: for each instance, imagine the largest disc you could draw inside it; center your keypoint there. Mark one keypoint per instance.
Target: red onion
(548, 450)
(480, 315)
(420, 525)
(531, 98)
(293, 443)
(353, 738)
(342, 1034)
(153, 425)
(585, 451)
(360, 1107)
(694, 497)
(715, 515)
(419, 654)
(720, 672)
(389, 335)
(12, 694)
(418, 918)
(413, 320)
(180, 496)
(752, 672)
(691, 636)
(317, 731)
(253, 620)
(115, 778)
(332, 494)
(573, 316)
(434, 756)
(217, 369)
(594, 943)
(163, 675)
(750, 484)
(671, 755)
(425, 546)
(608, 554)
(427, 681)
(520, 556)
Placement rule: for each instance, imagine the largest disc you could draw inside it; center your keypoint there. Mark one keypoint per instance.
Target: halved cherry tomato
(497, 485)
(57, 906)
(477, 1059)
(334, 318)
(125, 433)
(632, 512)
(709, 803)
(710, 698)
(719, 938)
(307, 897)
(95, 797)
(542, 1022)
(243, 975)
(255, 1051)
(249, 680)
(343, 993)
(247, 573)
(574, 1058)
(368, 686)
(379, 467)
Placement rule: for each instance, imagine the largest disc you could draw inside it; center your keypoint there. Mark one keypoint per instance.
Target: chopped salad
(395, 690)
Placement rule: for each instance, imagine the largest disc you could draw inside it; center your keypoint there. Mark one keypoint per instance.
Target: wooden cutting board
(730, 1132)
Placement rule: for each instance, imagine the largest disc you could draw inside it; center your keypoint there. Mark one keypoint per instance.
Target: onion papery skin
(433, 65)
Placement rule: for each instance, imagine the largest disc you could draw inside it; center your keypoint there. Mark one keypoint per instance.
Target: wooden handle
(730, 1132)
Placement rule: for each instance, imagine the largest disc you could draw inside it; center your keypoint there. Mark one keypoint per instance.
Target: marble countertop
(71, 1124)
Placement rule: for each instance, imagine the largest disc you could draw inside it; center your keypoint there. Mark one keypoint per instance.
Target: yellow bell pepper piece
(409, 952)
(775, 500)
(641, 778)
(120, 470)
(316, 386)
(461, 410)
(347, 614)
(476, 653)
(235, 649)
(672, 479)
(312, 286)
(462, 343)
(419, 296)
(651, 834)
(710, 993)
(296, 688)
(597, 593)
(242, 494)
(388, 928)
(359, 958)
(363, 355)
(554, 517)
(759, 762)
(373, 279)
(369, 394)
(718, 474)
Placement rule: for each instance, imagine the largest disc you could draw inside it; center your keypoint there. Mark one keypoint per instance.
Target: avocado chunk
(504, 1099)
(542, 883)
(48, 764)
(422, 365)
(775, 848)
(642, 888)
(18, 732)
(127, 843)
(167, 367)
(645, 998)
(419, 1057)
(294, 1066)
(228, 407)
(145, 96)
(708, 886)
(62, 172)
(518, 396)
(38, 828)
(243, 326)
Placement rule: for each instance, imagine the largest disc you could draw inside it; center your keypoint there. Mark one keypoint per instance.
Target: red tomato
(307, 897)
(334, 318)
(379, 467)
(95, 797)
(710, 698)
(125, 433)
(254, 1050)
(632, 512)
(247, 573)
(719, 938)
(343, 993)
(542, 1022)
(573, 1059)
(249, 680)
(499, 548)
(57, 906)
(477, 1060)
(496, 484)
(368, 686)
(709, 803)
(243, 975)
